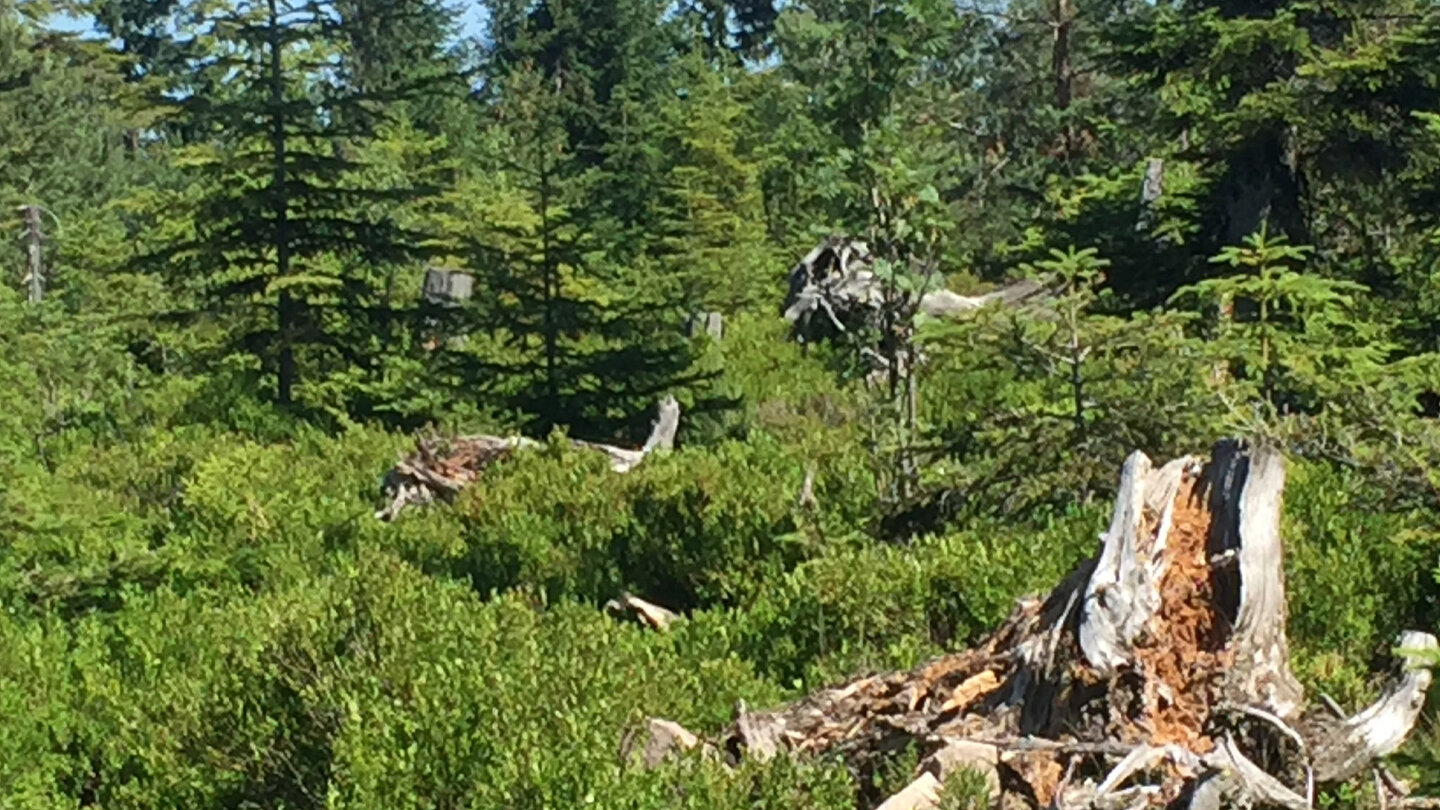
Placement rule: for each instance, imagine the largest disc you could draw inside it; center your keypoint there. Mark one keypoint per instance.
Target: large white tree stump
(1156, 675)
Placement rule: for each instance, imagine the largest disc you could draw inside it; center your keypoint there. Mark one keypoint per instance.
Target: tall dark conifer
(403, 53)
(581, 341)
(1293, 116)
(288, 239)
(64, 112)
(150, 33)
(577, 86)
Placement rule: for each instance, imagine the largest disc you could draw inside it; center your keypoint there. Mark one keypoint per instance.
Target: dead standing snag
(1156, 675)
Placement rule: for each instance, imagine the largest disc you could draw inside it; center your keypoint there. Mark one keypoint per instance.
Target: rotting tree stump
(439, 470)
(1156, 675)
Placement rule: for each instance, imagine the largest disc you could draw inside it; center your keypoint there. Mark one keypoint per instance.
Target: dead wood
(959, 755)
(649, 614)
(658, 741)
(1155, 675)
(1349, 746)
(439, 470)
(921, 794)
(834, 289)
(1260, 672)
(706, 323)
(1123, 593)
(447, 287)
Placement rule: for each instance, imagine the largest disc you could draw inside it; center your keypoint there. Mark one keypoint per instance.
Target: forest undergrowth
(216, 340)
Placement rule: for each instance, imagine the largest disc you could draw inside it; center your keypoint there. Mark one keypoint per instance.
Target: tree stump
(439, 471)
(1156, 675)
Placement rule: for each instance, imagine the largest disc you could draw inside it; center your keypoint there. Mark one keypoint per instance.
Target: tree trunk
(287, 308)
(1062, 72)
(34, 265)
(551, 270)
(1262, 185)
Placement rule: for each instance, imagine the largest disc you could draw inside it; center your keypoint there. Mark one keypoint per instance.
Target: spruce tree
(401, 53)
(609, 60)
(288, 243)
(580, 341)
(64, 112)
(152, 35)
(1292, 112)
(577, 263)
(712, 242)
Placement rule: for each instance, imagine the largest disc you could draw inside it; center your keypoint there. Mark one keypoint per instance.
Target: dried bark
(1155, 675)
(1260, 674)
(1123, 594)
(432, 472)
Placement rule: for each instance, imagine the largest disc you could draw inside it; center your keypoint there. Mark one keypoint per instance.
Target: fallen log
(1156, 675)
(438, 472)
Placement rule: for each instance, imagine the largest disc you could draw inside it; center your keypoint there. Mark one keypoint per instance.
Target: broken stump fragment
(439, 471)
(834, 289)
(1156, 675)
(634, 608)
(660, 740)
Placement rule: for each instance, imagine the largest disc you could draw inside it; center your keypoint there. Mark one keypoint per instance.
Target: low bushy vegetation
(228, 345)
(199, 619)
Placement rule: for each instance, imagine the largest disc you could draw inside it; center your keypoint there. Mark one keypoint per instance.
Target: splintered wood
(440, 469)
(1155, 675)
(1183, 650)
(834, 289)
(644, 612)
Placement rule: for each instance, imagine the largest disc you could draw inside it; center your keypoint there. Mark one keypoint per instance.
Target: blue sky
(472, 22)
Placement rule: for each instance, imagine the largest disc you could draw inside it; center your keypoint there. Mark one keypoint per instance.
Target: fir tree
(285, 240)
(582, 342)
(401, 53)
(64, 114)
(712, 242)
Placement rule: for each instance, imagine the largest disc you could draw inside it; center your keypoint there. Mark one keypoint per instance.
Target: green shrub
(374, 687)
(884, 607)
(1357, 574)
(37, 722)
(697, 527)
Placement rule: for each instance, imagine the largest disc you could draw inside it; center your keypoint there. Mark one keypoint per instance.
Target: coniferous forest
(256, 251)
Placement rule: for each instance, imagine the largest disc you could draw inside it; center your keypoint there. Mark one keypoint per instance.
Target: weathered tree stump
(705, 323)
(447, 287)
(1156, 675)
(434, 472)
